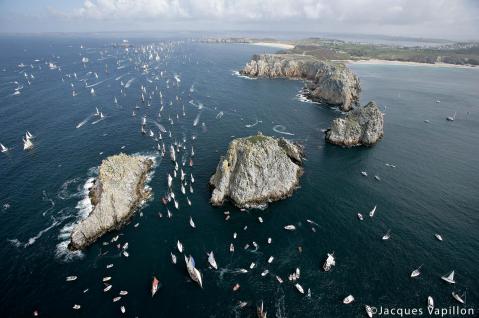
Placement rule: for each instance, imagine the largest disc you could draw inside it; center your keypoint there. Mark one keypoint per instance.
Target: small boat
(360, 217)
(236, 287)
(369, 311)
(270, 259)
(154, 286)
(330, 262)
(299, 288)
(192, 224)
(211, 260)
(107, 278)
(125, 253)
(371, 213)
(232, 248)
(438, 236)
(123, 292)
(290, 227)
(416, 272)
(173, 258)
(377, 178)
(309, 292)
(449, 278)
(252, 265)
(349, 299)
(71, 278)
(109, 266)
(430, 303)
(451, 118)
(3, 148)
(260, 219)
(387, 236)
(123, 310)
(107, 288)
(279, 279)
(459, 298)
(76, 307)
(264, 273)
(116, 299)
(364, 173)
(269, 240)
(260, 311)
(179, 246)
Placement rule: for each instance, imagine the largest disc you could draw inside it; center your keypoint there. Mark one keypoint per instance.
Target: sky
(445, 19)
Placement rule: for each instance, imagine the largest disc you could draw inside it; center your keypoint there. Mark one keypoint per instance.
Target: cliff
(118, 191)
(257, 170)
(327, 82)
(361, 126)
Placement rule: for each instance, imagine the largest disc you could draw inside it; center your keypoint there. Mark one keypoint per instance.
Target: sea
(427, 169)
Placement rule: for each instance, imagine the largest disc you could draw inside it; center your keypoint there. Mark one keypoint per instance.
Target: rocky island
(118, 191)
(329, 82)
(361, 126)
(257, 170)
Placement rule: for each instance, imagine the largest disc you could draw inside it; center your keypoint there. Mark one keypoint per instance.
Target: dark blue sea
(429, 183)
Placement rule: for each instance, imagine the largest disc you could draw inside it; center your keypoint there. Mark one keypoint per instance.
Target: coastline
(402, 63)
(274, 44)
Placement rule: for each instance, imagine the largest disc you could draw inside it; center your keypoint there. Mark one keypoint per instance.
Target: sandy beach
(275, 44)
(386, 62)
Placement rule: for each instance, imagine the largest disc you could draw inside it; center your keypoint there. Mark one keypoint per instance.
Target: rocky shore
(118, 191)
(257, 170)
(361, 126)
(326, 82)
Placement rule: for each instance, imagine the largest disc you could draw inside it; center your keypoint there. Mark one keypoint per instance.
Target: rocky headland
(326, 82)
(257, 170)
(117, 192)
(361, 126)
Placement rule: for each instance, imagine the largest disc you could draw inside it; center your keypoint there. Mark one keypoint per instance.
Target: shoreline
(404, 63)
(274, 44)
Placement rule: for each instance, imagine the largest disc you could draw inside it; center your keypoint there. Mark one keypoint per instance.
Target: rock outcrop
(361, 126)
(257, 170)
(118, 191)
(327, 82)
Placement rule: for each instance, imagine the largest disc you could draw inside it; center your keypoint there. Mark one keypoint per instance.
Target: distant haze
(450, 19)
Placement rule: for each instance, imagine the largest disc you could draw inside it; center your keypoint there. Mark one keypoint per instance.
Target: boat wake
(121, 76)
(252, 125)
(159, 126)
(128, 84)
(33, 239)
(197, 119)
(280, 129)
(84, 121)
(97, 121)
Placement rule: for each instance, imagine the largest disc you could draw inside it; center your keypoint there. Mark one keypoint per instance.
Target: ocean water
(432, 189)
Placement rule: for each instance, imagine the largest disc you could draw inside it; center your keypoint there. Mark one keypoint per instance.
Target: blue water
(433, 189)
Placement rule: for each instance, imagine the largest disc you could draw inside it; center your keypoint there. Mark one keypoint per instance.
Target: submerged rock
(118, 191)
(329, 82)
(362, 126)
(257, 170)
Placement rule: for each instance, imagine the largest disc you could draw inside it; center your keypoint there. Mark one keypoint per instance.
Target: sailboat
(449, 278)
(27, 144)
(211, 260)
(192, 271)
(371, 213)
(260, 311)
(173, 258)
(329, 262)
(349, 299)
(170, 180)
(179, 246)
(172, 153)
(290, 227)
(360, 217)
(438, 236)
(430, 303)
(459, 298)
(387, 236)
(3, 148)
(192, 224)
(369, 311)
(97, 112)
(452, 118)
(299, 288)
(154, 286)
(416, 272)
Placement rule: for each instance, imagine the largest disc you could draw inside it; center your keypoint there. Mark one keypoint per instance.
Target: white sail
(371, 213)
(192, 224)
(329, 262)
(449, 278)
(3, 148)
(27, 144)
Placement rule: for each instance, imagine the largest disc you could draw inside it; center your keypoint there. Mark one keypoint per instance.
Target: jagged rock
(361, 126)
(257, 170)
(328, 82)
(118, 191)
